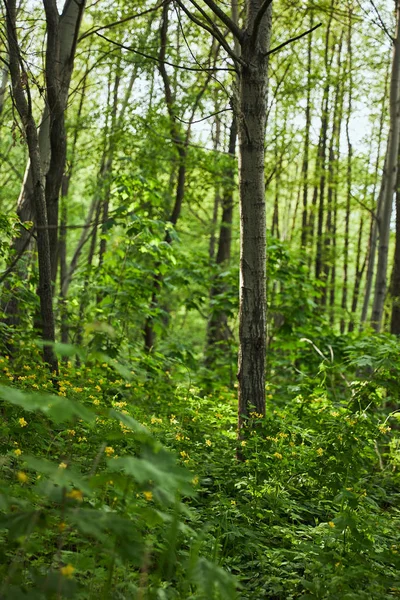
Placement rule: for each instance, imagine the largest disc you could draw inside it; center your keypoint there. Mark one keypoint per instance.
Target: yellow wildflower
(384, 429)
(195, 480)
(71, 432)
(77, 389)
(184, 454)
(62, 526)
(120, 404)
(75, 495)
(331, 524)
(148, 496)
(109, 450)
(155, 420)
(278, 455)
(243, 443)
(17, 452)
(22, 422)
(320, 451)
(208, 442)
(62, 465)
(22, 477)
(67, 571)
(233, 502)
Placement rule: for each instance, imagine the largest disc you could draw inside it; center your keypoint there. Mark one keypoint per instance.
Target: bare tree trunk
(253, 88)
(359, 273)
(61, 45)
(395, 286)
(373, 236)
(217, 195)
(23, 104)
(305, 164)
(321, 158)
(390, 178)
(332, 181)
(349, 185)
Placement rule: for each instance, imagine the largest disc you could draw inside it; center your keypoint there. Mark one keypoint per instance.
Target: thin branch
(125, 20)
(213, 30)
(204, 118)
(155, 58)
(231, 25)
(382, 24)
(293, 39)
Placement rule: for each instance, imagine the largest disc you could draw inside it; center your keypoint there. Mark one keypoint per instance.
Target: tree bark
(389, 184)
(395, 287)
(373, 235)
(22, 99)
(253, 88)
(349, 178)
(61, 46)
(305, 163)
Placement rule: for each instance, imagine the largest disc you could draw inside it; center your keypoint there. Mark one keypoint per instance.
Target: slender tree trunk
(23, 104)
(305, 164)
(332, 182)
(389, 182)
(359, 273)
(349, 177)
(253, 88)
(373, 236)
(395, 287)
(59, 65)
(217, 195)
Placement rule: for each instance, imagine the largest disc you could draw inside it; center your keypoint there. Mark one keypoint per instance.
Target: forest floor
(124, 483)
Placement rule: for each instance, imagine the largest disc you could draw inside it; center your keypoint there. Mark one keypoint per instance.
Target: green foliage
(94, 502)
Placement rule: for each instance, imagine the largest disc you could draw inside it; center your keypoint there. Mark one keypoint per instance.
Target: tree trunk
(395, 287)
(305, 164)
(59, 64)
(349, 177)
(373, 236)
(332, 182)
(389, 185)
(253, 88)
(24, 109)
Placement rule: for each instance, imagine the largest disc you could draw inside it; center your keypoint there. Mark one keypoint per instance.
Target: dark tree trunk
(24, 108)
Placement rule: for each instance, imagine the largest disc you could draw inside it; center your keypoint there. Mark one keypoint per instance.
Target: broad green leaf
(57, 408)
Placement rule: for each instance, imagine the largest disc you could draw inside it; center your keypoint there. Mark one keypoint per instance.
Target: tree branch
(258, 18)
(293, 39)
(231, 25)
(149, 56)
(213, 30)
(121, 21)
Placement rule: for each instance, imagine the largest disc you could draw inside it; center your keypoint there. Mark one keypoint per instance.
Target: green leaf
(57, 408)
